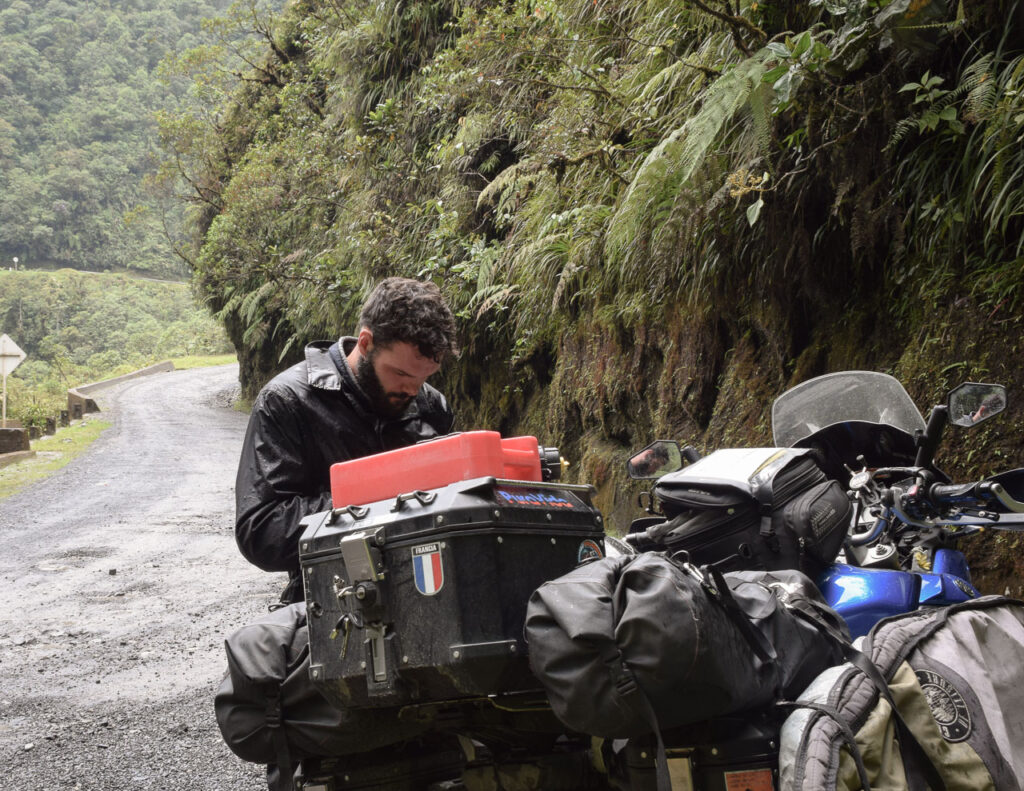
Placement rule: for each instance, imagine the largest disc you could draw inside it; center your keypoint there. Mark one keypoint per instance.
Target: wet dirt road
(121, 578)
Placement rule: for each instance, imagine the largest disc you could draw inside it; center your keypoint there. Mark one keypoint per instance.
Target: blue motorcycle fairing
(863, 597)
(943, 589)
(951, 561)
(949, 580)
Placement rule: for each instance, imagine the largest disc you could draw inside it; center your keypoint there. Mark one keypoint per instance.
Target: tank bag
(753, 508)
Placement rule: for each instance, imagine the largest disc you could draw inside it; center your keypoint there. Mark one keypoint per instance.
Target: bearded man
(359, 396)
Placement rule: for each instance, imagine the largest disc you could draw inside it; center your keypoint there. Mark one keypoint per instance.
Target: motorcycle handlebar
(980, 493)
(940, 494)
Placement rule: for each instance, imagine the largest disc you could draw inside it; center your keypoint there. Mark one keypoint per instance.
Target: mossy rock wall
(711, 385)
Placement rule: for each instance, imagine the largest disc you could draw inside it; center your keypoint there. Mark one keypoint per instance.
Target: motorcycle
(900, 549)
(900, 546)
(415, 604)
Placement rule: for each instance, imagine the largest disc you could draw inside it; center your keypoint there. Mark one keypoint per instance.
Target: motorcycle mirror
(659, 458)
(973, 402)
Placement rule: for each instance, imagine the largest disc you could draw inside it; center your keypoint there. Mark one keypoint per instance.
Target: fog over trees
(80, 81)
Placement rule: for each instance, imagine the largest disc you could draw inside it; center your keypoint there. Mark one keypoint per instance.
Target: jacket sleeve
(274, 489)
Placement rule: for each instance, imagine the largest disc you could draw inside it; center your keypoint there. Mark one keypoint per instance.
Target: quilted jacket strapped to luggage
(956, 681)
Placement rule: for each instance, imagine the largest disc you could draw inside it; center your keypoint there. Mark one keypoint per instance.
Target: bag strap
(274, 723)
(848, 736)
(664, 779)
(626, 685)
(720, 591)
(913, 749)
(764, 492)
(907, 738)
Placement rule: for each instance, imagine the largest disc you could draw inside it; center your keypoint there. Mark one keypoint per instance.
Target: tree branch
(735, 22)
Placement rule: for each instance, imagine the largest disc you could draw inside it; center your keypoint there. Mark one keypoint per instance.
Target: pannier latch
(375, 637)
(424, 498)
(362, 559)
(357, 512)
(362, 598)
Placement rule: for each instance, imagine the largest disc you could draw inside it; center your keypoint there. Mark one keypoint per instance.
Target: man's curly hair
(402, 310)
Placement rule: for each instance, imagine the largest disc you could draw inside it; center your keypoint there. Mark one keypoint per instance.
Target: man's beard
(387, 405)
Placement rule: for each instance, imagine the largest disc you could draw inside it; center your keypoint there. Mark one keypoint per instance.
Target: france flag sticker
(426, 568)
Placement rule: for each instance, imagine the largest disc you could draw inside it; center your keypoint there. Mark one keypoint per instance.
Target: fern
(234, 299)
(253, 308)
(673, 162)
(506, 178)
(759, 114)
(488, 298)
(663, 82)
(982, 90)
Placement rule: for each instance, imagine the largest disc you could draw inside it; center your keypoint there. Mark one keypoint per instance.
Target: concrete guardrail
(14, 440)
(79, 403)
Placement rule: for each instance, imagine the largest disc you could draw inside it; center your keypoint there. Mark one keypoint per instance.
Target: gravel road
(121, 579)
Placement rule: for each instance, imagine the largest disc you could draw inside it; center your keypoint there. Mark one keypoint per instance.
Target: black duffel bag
(269, 711)
(625, 646)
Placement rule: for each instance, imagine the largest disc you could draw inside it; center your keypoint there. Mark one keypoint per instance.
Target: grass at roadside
(193, 361)
(52, 453)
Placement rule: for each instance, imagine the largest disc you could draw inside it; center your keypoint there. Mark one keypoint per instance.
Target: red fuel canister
(432, 464)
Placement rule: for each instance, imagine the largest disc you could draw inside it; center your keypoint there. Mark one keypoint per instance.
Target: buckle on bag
(272, 713)
(625, 681)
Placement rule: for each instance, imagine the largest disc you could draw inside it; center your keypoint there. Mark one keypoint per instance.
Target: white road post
(10, 358)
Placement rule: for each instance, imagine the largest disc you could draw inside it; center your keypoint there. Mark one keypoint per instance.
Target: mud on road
(121, 579)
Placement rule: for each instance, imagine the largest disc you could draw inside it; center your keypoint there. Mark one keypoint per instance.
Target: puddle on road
(73, 558)
(87, 552)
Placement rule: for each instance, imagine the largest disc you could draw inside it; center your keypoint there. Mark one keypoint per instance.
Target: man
(349, 399)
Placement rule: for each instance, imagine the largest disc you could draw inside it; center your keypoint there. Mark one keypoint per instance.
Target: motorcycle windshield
(863, 396)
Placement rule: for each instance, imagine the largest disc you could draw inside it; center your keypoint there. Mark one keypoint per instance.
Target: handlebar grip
(982, 493)
(960, 493)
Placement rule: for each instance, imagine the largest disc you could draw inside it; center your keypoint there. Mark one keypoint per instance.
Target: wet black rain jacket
(303, 421)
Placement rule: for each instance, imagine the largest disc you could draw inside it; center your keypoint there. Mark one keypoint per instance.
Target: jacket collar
(321, 371)
(327, 369)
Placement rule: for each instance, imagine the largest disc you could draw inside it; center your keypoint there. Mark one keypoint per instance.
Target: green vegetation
(650, 215)
(588, 166)
(79, 327)
(52, 453)
(79, 83)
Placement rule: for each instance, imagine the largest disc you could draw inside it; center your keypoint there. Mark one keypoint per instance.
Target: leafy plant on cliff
(965, 218)
(579, 168)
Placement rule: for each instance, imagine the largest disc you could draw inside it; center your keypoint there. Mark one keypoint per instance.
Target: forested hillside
(79, 327)
(652, 216)
(79, 86)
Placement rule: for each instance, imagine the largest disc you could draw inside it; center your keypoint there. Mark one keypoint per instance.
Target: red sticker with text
(751, 780)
